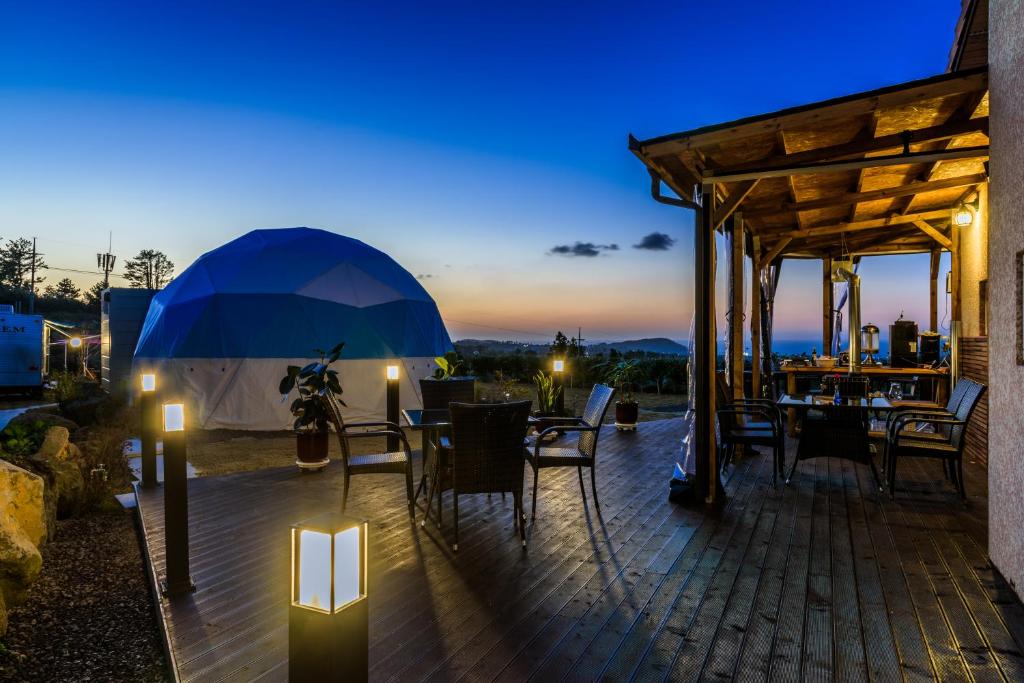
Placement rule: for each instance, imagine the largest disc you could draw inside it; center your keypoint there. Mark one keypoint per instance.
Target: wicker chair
(398, 462)
(945, 443)
(584, 453)
(486, 455)
(752, 422)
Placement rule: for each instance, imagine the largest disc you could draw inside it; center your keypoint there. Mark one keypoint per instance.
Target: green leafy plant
(547, 392)
(64, 386)
(317, 384)
(447, 366)
(23, 439)
(624, 376)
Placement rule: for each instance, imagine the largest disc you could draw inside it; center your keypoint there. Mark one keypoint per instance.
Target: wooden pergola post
(755, 316)
(827, 306)
(736, 305)
(704, 352)
(933, 298)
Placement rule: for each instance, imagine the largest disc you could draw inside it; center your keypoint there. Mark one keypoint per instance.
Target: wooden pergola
(878, 172)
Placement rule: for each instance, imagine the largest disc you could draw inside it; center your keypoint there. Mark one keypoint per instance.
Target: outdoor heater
(391, 373)
(178, 580)
(149, 414)
(328, 618)
(869, 340)
(842, 271)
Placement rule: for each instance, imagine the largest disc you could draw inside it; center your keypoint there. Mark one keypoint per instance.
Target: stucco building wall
(1006, 238)
(974, 268)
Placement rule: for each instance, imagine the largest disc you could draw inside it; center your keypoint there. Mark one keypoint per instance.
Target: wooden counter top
(868, 370)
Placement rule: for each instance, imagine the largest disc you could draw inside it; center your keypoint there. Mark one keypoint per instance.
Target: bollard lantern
(328, 618)
(149, 415)
(391, 373)
(178, 580)
(558, 373)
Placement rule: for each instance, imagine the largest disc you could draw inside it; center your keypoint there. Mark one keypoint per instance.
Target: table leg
(791, 413)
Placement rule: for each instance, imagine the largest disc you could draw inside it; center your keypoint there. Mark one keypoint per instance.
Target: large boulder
(57, 461)
(22, 530)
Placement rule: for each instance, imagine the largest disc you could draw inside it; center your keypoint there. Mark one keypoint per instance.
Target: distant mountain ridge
(659, 345)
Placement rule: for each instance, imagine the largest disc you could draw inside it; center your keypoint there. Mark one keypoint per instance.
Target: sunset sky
(468, 140)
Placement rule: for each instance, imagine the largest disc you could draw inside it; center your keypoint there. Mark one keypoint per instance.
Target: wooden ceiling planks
(836, 174)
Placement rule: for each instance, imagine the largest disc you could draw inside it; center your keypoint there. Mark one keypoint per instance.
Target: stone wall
(1006, 235)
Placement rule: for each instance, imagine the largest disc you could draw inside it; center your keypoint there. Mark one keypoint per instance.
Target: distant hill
(659, 345)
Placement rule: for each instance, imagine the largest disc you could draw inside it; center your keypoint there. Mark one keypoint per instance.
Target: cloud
(655, 241)
(588, 249)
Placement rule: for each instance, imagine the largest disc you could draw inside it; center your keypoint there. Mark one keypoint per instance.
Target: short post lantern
(392, 404)
(558, 374)
(178, 579)
(150, 417)
(328, 618)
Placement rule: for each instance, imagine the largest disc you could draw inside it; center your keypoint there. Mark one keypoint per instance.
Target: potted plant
(547, 401)
(624, 375)
(444, 387)
(317, 385)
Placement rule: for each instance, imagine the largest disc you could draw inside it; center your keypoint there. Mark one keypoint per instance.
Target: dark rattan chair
(398, 462)
(752, 422)
(583, 453)
(486, 455)
(945, 443)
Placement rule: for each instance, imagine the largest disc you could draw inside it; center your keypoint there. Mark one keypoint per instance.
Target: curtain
(837, 334)
(769, 285)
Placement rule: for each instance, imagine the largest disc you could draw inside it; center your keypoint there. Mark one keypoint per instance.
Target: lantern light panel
(174, 417)
(392, 372)
(327, 555)
(559, 366)
(149, 382)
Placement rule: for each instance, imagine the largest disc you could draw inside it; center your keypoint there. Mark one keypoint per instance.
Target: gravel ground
(90, 616)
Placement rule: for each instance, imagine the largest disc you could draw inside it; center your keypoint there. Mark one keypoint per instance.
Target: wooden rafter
(858, 186)
(969, 181)
(775, 251)
(851, 226)
(865, 143)
(733, 201)
(935, 234)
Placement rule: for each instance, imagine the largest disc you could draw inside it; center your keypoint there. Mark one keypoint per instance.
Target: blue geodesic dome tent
(225, 329)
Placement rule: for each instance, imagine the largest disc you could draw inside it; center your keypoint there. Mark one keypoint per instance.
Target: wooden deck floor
(823, 579)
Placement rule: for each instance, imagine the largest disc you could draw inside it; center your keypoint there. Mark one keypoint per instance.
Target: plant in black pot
(445, 386)
(317, 386)
(624, 376)
(548, 394)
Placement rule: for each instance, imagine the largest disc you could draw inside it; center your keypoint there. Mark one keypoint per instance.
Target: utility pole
(106, 261)
(579, 340)
(32, 283)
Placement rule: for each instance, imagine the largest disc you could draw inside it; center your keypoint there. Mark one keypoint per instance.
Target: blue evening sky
(466, 139)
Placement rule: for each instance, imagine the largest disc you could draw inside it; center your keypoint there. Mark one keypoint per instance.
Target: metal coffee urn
(903, 344)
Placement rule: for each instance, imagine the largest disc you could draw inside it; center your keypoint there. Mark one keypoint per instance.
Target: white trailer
(21, 351)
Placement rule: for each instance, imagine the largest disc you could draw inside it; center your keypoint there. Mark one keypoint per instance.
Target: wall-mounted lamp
(965, 212)
(75, 342)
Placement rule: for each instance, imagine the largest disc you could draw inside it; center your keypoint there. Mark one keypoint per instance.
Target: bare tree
(150, 269)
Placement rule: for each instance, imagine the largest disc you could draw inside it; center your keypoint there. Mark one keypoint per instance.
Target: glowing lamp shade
(392, 372)
(963, 216)
(174, 417)
(75, 342)
(149, 382)
(559, 366)
(328, 563)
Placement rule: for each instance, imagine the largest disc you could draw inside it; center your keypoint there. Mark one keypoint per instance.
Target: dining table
(432, 423)
(835, 427)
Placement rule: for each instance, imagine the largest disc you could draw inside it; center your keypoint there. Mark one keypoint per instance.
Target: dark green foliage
(316, 384)
(22, 439)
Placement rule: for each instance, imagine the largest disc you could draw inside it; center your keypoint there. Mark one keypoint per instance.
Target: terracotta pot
(438, 393)
(627, 413)
(311, 447)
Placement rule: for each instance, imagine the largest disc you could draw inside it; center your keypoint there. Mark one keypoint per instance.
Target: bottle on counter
(814, 357)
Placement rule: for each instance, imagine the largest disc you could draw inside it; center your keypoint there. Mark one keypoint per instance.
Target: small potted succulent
(317, 385)
(624, 375)
(548, 394)
(445, 386)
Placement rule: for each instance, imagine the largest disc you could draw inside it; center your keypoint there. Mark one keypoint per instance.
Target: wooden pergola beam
(929, 230)
(774, 252)
(978, 152)
(868, 224)
(864, 145)
(933, 290)
(909, 189)
(733, 201)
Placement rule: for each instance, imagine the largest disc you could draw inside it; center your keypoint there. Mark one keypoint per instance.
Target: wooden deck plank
(824, 578)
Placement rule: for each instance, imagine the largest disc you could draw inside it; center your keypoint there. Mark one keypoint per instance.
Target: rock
(54, 446)
(22, 529)
(21, 501)
(70, 488)
(46, 417)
